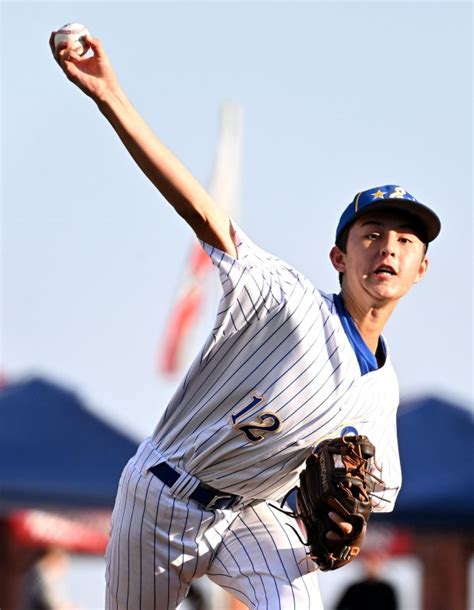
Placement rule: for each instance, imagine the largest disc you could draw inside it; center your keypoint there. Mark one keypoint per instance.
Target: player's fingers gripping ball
(337, 478)
(73, 34)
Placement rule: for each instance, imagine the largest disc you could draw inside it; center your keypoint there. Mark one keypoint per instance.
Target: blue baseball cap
(390, 197)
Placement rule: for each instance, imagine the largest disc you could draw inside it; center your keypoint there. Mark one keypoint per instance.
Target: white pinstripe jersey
(275, 377)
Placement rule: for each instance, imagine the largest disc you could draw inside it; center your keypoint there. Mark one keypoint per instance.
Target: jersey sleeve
(386, 492)
(251, 285)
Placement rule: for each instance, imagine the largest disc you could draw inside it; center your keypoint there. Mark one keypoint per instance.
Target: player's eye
(405, 240)
(373, 236)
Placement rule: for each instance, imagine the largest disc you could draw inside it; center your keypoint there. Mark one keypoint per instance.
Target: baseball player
(285, 366)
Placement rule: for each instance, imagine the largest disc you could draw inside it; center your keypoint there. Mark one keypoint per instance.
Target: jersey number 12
(254, 430)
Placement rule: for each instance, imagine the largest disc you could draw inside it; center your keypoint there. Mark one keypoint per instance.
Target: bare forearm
(209, 221)
(95, 77)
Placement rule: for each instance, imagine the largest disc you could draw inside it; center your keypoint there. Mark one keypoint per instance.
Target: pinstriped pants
(159, 543)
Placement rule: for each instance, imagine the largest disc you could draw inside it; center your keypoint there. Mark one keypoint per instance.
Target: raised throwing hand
(93, 74)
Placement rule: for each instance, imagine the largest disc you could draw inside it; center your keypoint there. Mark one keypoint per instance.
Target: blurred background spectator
(371, 592)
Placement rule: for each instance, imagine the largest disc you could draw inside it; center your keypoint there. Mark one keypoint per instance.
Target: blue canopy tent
(55, 453)
(436, 443)
(436, 502)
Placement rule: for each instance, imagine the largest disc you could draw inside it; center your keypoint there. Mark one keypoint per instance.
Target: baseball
(75, 33)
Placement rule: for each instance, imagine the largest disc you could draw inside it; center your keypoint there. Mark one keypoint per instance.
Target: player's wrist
(111, 100)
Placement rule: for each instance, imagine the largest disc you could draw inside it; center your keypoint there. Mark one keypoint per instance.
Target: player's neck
(369, 318)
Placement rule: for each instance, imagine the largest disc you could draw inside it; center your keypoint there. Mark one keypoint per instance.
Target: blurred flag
(224, 188)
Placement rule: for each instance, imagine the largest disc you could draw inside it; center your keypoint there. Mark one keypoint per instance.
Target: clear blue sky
(337, 97)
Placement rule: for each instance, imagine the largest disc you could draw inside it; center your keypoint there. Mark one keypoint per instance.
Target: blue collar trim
(366, 359)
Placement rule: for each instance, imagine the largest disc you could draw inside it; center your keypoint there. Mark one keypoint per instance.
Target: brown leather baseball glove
(337, 478)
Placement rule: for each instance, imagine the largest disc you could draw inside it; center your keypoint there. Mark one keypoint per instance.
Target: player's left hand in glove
(335, 489)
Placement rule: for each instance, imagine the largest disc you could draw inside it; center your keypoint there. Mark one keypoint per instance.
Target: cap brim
(429, 221)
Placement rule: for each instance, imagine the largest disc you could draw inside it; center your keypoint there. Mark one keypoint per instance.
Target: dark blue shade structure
(54, 452)
(436, 442)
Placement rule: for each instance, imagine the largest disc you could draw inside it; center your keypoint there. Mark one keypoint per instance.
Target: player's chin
(387, 291)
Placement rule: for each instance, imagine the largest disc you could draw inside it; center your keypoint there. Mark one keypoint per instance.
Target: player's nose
(388, 244)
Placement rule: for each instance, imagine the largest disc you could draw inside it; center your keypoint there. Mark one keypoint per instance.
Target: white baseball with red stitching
(75, 33)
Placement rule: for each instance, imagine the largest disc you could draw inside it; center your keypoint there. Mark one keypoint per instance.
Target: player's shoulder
(252, 255)
(248, 250)
(327, 299)
(292, 282)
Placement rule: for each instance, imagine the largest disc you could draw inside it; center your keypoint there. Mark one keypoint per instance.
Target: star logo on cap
(378, 194)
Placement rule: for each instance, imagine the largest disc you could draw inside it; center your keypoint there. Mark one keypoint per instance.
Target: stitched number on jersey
(264, 422)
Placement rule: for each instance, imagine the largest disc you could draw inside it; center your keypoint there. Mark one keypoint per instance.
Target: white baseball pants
(160, 543)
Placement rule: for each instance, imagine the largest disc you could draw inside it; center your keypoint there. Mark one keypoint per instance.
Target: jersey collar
(366, 359)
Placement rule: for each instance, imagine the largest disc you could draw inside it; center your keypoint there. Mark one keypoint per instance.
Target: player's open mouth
(385, 271)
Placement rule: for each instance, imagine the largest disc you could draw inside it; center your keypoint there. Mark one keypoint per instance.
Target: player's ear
(338, 259)
(423, 268)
